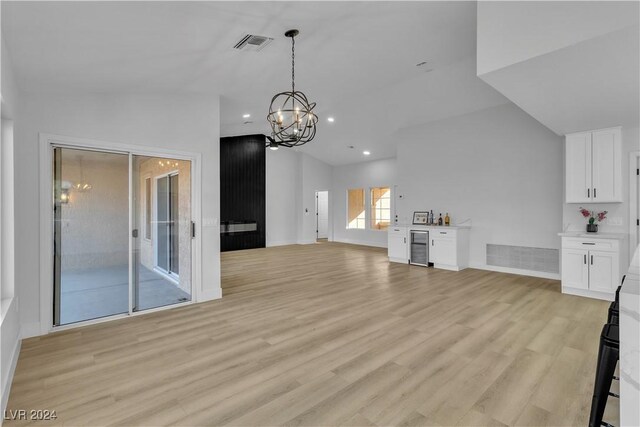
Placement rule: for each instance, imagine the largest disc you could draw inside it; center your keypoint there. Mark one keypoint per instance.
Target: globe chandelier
(291, 116)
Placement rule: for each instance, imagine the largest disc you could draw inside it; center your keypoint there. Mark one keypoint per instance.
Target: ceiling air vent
(253, 43)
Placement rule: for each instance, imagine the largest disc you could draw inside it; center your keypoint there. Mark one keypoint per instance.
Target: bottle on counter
(447, 220)
(430, 221)
(440, 219)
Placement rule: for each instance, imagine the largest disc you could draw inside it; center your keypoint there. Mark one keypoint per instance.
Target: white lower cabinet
(448, 246)
(603, 271)
(443, 248)
(591, 267)
(575, 270)
(397, 244)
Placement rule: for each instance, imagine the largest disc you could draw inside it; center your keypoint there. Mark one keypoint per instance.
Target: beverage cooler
(419, 247)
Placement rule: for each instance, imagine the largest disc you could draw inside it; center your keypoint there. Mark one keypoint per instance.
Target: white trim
(634, 203)
(46, 141)
(119, 316)
(282, 243)
(361, 242)
(589, 293)
(6, 387)
(519, 272)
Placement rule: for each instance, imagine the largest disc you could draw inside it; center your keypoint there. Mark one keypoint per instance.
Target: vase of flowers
(592, 227)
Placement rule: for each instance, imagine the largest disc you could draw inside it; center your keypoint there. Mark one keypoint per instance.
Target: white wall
(180, 122)
(617, 212)
(377, 173)
(498, 167)
(514, 31)
(283, 174)
(292, 181)
(9, 307)
(316, 175)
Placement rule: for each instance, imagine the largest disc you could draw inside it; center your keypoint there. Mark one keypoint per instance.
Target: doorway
(105, 227)
(322, 216)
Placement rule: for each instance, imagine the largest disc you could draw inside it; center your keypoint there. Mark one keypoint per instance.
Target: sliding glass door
(122, 233)
(162, 211)
(91, 223)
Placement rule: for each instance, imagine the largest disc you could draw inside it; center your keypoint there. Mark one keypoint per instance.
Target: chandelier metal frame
(294, 106)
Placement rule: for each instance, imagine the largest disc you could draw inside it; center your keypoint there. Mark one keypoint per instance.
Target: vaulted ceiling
(357, 60)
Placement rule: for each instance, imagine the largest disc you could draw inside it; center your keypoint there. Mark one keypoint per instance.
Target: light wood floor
(329, 334)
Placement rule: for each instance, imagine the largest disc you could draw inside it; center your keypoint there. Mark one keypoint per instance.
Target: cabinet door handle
(588, 243)
(591, 259)
(585, 259)
(405, 240)
(431, 242)
(588, 193)
(594, 192)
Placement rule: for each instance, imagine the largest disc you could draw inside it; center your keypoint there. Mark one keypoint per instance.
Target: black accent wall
(242, 192)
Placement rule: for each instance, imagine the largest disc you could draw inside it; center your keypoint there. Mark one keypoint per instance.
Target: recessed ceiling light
(246, 116)
(366, 153)
(330, 119)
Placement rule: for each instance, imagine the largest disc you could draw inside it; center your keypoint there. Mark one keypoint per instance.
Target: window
(380, 208)
(355, 209)
(147, 208)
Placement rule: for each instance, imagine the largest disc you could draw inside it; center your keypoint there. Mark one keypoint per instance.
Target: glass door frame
(47, 238)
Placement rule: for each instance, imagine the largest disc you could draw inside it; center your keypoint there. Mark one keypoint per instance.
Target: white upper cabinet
(594, 166)
(578, 167)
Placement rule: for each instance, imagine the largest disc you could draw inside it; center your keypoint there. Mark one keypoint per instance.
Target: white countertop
(629, 321)
(599, 235)
(427, 227)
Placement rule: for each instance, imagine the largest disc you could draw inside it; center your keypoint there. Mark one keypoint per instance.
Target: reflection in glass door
(122, 233)
(91, 238)
(162, 236)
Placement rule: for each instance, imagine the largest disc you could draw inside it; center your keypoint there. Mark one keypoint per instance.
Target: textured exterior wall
(95, 223)
(152, 167)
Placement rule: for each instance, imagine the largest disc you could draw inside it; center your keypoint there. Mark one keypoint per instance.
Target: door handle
(405, 240)
(591, 259)
(585, 259)
(588, 193)
(431, 242)
(594, 192)
(588, 243)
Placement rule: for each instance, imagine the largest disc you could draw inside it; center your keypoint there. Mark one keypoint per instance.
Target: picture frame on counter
(420, 218)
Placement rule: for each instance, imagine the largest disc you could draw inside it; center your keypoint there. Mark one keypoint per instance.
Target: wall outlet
(616, 220)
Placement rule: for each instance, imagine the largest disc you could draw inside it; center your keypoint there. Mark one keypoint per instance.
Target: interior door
(322, 214)
(578, 167)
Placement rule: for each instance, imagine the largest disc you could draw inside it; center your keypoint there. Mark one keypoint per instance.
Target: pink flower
(585, 213)
(602, 216)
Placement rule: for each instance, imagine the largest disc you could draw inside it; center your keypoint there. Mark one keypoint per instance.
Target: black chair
(614, 313)
(607, 359)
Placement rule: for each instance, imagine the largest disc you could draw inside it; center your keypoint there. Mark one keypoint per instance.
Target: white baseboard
(361, 243)
(540, 274)
(210, 295)
(281, 243)
(588, 293)
(305, 242)
(31, 329)
(6, 387)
